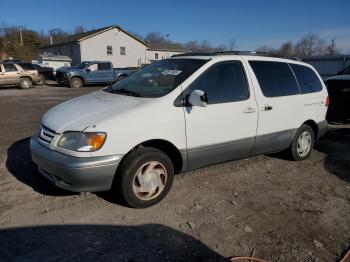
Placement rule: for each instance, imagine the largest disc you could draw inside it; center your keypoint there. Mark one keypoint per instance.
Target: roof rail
(237, 53)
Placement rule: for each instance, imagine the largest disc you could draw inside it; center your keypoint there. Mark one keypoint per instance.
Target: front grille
(59, 75)
(46, 135)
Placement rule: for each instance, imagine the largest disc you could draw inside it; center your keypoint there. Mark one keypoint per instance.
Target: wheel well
(77, 77)
(25, 77)
(166, 147)
(313, 125)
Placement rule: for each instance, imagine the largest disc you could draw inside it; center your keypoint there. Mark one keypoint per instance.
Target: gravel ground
(277, 209)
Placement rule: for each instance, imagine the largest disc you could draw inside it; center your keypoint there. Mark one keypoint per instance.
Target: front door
(100, 73)
(224, 129)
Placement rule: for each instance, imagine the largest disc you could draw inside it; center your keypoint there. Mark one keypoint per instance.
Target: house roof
(166, 46)
(82, 36)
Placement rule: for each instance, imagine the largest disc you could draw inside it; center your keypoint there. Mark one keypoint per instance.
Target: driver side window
(92, 67)
(224, 82)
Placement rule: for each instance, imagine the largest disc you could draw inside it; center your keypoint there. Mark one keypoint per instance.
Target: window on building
(10, 68)
(104, 66)
(156, 55)
(223, 82)
(307, 79)
(122, 50)
(275, 78)
(109, 50)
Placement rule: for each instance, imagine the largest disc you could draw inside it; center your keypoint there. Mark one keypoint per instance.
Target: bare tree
(287, 49)
(79, 29)
(232, 44)
(155, 37)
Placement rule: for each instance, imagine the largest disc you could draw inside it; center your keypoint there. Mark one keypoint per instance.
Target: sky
(251, 23)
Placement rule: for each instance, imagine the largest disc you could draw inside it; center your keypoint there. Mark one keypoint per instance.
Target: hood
(79, 113)
(340, 77)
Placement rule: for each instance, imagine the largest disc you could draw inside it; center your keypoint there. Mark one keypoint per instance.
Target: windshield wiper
(124, 91)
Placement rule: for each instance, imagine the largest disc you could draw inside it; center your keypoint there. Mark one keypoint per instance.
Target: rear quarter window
(275, 78)
(307, 79)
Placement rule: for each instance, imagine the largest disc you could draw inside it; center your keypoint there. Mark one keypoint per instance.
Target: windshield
(157, 79)
(82, 65)
(347, 70)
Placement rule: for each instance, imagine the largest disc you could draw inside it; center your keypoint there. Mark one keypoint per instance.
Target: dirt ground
(277, 209)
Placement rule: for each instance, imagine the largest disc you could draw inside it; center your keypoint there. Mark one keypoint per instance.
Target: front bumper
(77, 174)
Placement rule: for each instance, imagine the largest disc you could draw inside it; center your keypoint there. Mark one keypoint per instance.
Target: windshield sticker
(171, 72)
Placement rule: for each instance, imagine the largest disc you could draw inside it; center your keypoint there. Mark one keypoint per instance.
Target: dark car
(46, 73)
(339, 96)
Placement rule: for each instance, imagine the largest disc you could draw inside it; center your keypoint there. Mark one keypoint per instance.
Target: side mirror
(340, 72)
(198, 98)
(87, 70)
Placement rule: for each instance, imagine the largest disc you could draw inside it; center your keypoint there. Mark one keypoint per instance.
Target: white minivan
(176, 115)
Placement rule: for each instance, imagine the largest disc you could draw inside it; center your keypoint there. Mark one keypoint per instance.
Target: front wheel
(76, 82)
(145, 177)
(303, 143)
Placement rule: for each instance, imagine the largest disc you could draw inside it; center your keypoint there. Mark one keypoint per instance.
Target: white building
(111, 43)
(158, 51)
(54, 61)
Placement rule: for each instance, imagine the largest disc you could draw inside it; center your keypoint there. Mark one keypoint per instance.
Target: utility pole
(20, 33)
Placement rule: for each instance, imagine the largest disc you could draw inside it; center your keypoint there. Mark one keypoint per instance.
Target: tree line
(22, 43)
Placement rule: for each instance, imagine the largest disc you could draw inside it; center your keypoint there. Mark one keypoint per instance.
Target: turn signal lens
(327, 101)
(91, 141)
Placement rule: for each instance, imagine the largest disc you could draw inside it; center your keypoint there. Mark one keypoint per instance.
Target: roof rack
(237, 53)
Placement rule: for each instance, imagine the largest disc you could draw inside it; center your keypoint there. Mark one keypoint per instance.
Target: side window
(26, 66)
(122, 50)
(275, 78)
(104, 66)
(10, 68)
(109, 50)
(92, 67)
(223, 82)
(307, 79)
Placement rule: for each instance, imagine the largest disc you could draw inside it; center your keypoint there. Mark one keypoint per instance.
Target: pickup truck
(91, 72)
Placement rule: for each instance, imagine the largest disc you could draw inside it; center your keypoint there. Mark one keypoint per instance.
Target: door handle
(266, 108)
(249, 109)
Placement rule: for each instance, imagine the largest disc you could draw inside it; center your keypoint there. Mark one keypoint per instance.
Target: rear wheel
(303, 143)
(25, 83)
(75, 82)
(145, 177)
(41, 82)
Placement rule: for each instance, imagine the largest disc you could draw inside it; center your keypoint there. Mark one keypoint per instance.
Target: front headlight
(83, 142)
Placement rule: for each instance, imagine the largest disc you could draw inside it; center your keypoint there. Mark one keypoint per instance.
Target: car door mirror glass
(198, 98)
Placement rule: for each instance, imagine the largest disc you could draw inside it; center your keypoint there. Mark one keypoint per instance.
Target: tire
(76, 82)
(303, 143)
(41, 82)
(153, 185)
(25, 83)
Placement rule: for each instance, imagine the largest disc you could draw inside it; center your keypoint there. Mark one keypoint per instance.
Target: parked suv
(91, 72)
(13, 74)
(339, 96)
(176, 115)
